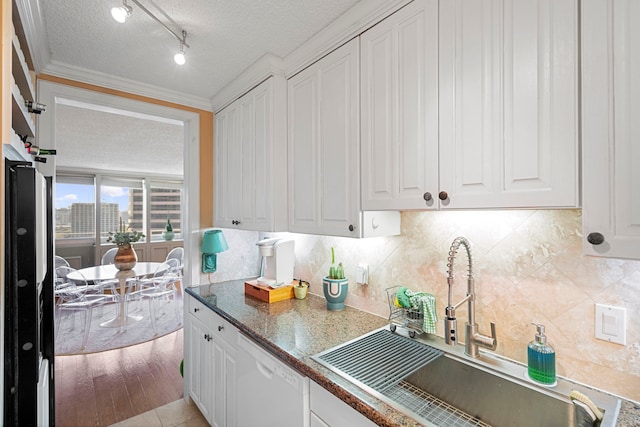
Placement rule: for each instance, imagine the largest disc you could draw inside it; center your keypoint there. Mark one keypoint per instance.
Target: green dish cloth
(423, 301)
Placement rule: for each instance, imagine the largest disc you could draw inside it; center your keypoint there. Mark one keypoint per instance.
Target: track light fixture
(121, 13)
(180, 57)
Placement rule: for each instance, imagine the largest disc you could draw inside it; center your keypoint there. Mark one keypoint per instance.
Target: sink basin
(444, 387)
(489, 397)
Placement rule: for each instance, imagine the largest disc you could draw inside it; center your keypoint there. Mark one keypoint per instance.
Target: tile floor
(174, 414)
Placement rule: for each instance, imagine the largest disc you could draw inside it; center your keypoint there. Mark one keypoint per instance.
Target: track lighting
(180, 57)
(121, 13)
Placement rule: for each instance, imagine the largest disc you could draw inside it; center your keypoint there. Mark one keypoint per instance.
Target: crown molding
(352, 23)
(32, 20)
(268, 65)
(59, 69)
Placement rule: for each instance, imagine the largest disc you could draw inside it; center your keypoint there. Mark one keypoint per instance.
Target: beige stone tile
(147, 419)
(195, 422)
(176, 413)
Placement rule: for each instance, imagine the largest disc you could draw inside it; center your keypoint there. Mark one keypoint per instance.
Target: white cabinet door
(228, 167)
(199, 367)
(324, 184)
(399, 119)
(251, 160)
(508, 103)
(210, 355)
(611, 128)
(224, 412)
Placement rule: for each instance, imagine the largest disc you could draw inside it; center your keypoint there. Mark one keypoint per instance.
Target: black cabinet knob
(220, 328)
(195, 310)
(443, 195)
(206, 337)
(427, 197)
(595, 238)
(235, 222)
(351, 227)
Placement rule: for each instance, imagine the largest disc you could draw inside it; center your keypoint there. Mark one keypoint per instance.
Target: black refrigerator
(28, 298)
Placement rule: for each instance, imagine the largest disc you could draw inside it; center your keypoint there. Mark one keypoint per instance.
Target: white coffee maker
(278, 259)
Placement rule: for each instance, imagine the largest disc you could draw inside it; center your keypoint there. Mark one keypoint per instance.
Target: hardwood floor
(101, 389)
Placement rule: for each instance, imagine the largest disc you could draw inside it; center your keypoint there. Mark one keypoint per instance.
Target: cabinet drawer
(216, 325)
(198, 309)
(221, 329)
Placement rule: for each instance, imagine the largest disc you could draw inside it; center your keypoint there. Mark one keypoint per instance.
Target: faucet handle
(494, 340)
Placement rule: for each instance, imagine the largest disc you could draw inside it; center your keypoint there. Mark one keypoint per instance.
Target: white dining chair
(72, 296)
(176, 253)
(162, 286)
(58, 261)
(109, 256)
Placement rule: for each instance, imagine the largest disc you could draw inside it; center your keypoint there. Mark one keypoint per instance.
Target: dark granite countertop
(294, 330)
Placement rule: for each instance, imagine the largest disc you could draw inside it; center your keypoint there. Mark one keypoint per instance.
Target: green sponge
(402, 297)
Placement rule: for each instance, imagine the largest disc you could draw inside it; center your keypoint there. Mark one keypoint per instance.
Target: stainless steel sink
(443, 387)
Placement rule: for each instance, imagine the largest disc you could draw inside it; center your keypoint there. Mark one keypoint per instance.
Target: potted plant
(335, 285)
(167, 234)
(300, 289)
(126, 257)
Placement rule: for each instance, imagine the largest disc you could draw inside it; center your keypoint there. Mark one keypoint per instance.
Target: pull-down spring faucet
(473, 338)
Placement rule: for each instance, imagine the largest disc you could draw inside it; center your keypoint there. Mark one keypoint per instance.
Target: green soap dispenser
(541, 359)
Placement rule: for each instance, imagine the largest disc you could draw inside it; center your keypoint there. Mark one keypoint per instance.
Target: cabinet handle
(195, 310)
(235, 222)
(427, 197)
(220, 328)
(443, 195)
(207, 337)
(595, 238)
(351, 227)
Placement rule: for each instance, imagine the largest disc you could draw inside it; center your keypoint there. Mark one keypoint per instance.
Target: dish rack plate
(379, 360)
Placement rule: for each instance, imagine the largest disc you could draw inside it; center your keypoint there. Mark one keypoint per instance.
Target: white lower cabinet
(210, 364)
(329, 411)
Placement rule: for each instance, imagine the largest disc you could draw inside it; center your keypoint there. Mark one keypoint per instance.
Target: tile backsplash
(528, 267)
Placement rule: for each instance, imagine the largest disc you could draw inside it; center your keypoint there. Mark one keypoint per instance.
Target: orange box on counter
(267, 293)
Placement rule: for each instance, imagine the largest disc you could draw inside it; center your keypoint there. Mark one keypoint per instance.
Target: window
(121, 198)
(143, 204)
(165, 202)
(75, 207)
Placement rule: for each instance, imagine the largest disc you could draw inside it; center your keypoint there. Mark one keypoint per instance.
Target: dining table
(109, 272)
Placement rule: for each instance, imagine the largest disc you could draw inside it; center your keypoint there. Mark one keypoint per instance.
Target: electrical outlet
(611, 323)
(362, 274)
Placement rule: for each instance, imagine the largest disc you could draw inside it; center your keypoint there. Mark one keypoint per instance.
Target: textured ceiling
(225, 37)
(106, 141)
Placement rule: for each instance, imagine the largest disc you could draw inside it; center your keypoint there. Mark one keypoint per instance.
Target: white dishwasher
(270, 394)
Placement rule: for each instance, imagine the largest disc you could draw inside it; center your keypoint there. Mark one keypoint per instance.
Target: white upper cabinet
(251, 160)
(399, 118)
(611, 128)
(324, 184)
(508, 103)
(471, 104)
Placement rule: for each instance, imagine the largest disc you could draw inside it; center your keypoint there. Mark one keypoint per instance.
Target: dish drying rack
(409, 318)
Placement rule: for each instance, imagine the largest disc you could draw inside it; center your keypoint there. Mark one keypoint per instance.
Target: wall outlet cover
(611, 323)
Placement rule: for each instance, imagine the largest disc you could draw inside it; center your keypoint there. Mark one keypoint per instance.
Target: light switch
(611, 323)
